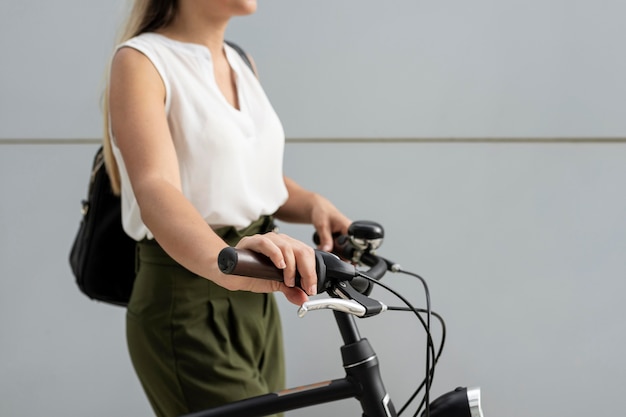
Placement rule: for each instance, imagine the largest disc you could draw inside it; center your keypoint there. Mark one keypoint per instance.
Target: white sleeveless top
(231, 161)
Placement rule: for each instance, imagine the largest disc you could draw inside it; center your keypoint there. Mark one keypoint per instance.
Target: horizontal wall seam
(564, 140)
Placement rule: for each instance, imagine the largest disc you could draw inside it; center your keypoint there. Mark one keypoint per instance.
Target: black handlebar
(248, 263)
(244, 262)
(329, 267)
(333, 273)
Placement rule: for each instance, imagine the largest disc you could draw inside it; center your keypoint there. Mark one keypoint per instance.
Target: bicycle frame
(362, 381)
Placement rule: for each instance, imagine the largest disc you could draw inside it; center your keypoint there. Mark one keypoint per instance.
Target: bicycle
(341, 276)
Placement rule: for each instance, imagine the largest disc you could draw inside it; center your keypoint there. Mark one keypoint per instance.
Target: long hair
(145, 16)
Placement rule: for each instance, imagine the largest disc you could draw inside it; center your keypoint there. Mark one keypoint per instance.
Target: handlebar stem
(347, 327)
(361, 364)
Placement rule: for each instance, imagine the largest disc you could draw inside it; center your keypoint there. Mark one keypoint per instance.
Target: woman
(197, 149)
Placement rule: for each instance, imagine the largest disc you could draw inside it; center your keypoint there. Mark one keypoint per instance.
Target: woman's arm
(139, 124)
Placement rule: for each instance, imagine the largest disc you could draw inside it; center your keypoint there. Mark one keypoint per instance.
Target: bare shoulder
(127, 55)
(131, 69)
(129, 61)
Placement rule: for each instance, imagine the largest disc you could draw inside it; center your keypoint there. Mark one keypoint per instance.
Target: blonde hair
(145, 16)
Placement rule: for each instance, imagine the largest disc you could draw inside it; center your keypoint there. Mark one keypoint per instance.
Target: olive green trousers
(195, 345)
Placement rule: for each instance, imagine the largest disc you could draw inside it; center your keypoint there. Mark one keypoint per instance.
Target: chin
(248, 7)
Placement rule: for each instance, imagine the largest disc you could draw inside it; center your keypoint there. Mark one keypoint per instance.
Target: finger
(263, 244)
(301, 258)
(305, 259)
(326, 237)
(294, 295)
(289, 273)
(284, 244)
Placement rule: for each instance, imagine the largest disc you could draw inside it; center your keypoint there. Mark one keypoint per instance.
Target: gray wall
(522, 243)
(353, 68)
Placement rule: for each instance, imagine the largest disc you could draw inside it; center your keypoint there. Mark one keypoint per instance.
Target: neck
(191, 27)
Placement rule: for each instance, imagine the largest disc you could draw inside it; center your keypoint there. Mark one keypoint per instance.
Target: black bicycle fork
(362, 381)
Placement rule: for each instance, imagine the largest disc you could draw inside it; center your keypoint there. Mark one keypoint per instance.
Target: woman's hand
(304, 206)
(327, 220)
(286, 253)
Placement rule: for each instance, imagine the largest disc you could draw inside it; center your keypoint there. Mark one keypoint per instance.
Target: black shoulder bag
(102, 256)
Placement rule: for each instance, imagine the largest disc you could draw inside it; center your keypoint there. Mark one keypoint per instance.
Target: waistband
(150, 250)
(232, 236)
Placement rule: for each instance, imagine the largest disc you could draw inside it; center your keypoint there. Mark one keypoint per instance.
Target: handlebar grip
(248, 263)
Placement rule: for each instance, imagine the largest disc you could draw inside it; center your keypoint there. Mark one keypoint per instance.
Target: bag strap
(242, 53)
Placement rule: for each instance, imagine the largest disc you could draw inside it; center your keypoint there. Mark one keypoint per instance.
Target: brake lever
(345, 299)
(344, 290)
(337, 304)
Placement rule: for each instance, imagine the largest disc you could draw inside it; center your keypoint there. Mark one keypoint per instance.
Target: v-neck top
(230, 160)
